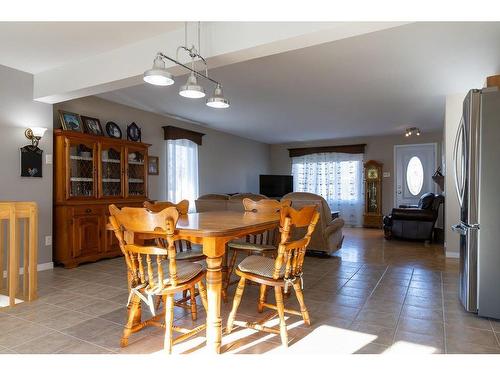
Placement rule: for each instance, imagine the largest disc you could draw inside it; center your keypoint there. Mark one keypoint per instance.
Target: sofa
(223, 202)
(327, 236)
(414, 222)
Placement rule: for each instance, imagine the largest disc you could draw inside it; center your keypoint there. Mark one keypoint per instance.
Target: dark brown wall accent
(173, 132)
(346, 149)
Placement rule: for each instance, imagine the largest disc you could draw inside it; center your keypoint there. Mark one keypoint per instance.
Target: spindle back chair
(280, 273)
(154, 270)
(264, 243)
(185, 251)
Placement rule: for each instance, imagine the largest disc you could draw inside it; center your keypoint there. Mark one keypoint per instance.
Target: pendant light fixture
(192, 89)
(218, 100)
(159, 75)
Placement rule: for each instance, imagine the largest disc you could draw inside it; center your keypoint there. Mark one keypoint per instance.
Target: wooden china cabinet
(372, 217)
(92, 172)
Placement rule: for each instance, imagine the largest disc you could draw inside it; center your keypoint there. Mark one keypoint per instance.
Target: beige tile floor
(374, 296)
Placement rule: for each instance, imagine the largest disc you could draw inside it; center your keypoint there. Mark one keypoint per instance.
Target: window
(182, 171)
(337, 177)
(415, 175)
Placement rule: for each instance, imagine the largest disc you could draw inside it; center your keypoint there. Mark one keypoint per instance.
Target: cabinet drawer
(87, 210)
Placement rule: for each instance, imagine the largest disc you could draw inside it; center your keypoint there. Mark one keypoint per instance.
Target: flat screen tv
(275, 186)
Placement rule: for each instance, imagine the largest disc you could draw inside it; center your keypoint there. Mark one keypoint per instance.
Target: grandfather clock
(372, 217)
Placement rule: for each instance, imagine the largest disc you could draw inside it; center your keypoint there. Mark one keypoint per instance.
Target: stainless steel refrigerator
(476, 166)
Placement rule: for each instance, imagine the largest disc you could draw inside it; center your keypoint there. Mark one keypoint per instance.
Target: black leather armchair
(414, 222)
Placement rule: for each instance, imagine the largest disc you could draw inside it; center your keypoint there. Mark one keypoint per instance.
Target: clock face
(372, 173)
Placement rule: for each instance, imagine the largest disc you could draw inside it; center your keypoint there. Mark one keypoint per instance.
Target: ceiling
(34, 47)
(373, 84)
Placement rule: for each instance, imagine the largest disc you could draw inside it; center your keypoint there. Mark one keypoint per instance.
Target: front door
(414, 167)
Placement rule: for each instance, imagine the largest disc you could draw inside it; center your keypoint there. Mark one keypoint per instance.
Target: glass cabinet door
(81, 170)
(136, 173)
(111, 171)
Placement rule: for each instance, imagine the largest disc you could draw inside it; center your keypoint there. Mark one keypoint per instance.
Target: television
(275, 186)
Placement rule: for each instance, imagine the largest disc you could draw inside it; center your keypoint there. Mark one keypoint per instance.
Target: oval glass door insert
(415, 175)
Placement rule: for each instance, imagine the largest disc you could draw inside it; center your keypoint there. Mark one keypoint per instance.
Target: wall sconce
(34, 135)
(411, 131)
(31, 155)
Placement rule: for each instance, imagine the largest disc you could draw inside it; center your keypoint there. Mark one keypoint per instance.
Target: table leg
(214, 287)
(224, 275)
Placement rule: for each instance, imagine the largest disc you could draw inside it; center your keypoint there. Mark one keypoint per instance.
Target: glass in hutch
(81, 170)
(136, 173)
(111, 171)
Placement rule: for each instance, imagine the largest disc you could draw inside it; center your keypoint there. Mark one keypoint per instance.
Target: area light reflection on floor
(328, 339)
(404, 347)
(4, 301)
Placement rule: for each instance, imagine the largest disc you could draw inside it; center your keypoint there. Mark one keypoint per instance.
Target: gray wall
(18, 111)
(379, 148)
(227, 163)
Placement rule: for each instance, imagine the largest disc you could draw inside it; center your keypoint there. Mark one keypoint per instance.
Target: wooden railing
(16, 213)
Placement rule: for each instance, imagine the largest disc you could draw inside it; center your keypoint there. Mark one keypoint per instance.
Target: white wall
(453, 114)
(227, 163)
(18, 111)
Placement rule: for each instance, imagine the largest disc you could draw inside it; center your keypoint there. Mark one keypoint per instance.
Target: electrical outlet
(48, 240)
(48, 159)
(386, 174)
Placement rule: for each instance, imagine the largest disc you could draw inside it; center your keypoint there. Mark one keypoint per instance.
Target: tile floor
(374, 296)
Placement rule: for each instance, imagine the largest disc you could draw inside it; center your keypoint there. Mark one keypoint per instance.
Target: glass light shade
(191, 89)
(218, 100)
(38, 132)
(158, 75)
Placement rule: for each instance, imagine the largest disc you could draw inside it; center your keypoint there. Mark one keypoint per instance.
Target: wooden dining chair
(185, 251)
(280, 273)
(264, 243)
(154, 270)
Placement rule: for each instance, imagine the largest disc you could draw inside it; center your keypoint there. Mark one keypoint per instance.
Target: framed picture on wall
(92, 125)
(113, 130)
(133, 132)
(70, 121)
(153, 165)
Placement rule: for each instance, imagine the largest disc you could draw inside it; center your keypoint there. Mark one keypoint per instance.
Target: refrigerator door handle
(458, 188)
(459, 228)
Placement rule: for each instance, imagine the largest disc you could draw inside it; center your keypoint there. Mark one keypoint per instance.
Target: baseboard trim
(39, 267)
(452, 254)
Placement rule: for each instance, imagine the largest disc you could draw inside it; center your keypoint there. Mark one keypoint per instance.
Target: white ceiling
(34, 47)
(377, 83)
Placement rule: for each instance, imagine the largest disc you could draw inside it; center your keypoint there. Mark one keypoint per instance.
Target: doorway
(414, 166)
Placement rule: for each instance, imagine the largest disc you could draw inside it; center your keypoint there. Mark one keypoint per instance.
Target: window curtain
(337, 177)
(182, 171)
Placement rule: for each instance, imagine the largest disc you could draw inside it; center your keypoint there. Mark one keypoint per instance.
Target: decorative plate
(133, 132)
(113, 130)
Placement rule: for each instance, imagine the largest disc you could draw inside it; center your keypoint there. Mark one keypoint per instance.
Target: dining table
(213, 230)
